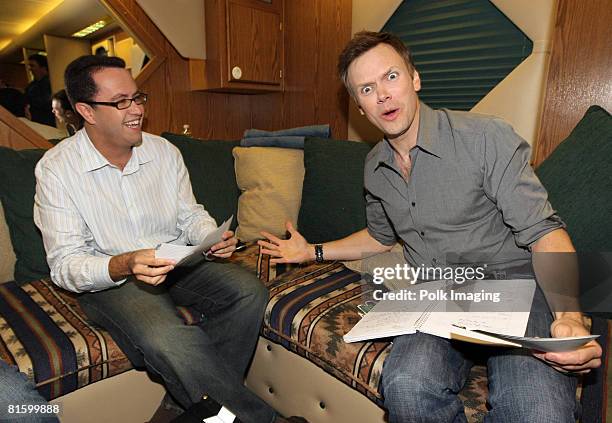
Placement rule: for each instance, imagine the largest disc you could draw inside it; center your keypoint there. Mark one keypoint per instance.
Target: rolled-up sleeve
(379, 226)
(66, 237)
(511, 183)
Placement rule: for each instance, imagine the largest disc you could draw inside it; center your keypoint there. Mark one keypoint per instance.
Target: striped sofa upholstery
(44, 332)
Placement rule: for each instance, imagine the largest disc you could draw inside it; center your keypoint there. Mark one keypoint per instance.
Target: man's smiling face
(385, 89)
(121, 128)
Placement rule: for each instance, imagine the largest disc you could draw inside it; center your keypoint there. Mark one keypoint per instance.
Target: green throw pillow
(578, 178)
(17, 187)
(333, 202)
(211, 170)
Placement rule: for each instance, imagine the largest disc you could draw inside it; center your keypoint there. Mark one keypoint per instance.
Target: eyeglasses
(140, 98)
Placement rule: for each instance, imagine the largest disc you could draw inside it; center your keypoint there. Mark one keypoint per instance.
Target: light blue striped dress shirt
(88, 210)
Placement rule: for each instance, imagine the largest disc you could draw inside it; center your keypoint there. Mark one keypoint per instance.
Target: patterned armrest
(44, 332)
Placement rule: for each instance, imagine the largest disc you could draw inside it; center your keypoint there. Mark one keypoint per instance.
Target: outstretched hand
(293, 250)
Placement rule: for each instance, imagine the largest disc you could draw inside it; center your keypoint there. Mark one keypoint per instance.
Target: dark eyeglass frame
(139, 99)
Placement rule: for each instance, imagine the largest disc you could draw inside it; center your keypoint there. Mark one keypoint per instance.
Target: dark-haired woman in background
(63, 111)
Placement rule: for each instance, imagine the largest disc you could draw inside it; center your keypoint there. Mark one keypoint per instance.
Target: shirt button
(422, 233)
(413, 204)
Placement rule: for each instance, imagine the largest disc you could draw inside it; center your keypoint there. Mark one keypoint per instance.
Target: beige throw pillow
(270, 180)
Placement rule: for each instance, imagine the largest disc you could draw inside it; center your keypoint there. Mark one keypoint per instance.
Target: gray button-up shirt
(471, 196)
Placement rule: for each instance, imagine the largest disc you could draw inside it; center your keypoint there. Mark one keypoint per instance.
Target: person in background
(38, 92)
(15, 102)
(101, 51)
(63, 111)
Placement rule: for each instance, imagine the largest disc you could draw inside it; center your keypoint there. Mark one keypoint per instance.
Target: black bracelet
(319, 253)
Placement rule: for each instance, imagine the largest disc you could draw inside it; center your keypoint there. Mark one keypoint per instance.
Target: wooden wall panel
(315, 32)
(580, 71)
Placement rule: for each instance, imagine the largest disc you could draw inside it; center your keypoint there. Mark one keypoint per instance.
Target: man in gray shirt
(451, 185)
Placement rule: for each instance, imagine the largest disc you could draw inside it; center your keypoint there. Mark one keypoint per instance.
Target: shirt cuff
(527, 237)
(99, 274)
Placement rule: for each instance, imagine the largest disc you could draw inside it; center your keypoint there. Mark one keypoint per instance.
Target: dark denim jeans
(210, 358)
(424, 373)
(17, 390)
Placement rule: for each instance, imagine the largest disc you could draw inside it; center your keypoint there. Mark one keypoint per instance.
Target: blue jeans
(210, 358)
(424, 373)
(17, 390)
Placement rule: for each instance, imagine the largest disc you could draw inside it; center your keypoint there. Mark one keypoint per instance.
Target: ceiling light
(90, 29)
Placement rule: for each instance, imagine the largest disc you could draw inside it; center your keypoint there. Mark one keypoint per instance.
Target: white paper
(185, 255)
(541, 344)
(224, 416)
(392, 318)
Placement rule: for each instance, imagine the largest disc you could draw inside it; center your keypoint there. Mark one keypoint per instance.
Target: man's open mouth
(133, 124)
(390, 114)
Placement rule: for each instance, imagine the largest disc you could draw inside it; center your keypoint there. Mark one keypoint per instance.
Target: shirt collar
(428, 138)
(430, 135)
(92, 159)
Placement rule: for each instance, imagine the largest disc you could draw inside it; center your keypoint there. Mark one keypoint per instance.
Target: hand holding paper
(188, 255)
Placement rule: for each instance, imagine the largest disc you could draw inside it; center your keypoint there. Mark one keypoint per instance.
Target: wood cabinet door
(254, 41)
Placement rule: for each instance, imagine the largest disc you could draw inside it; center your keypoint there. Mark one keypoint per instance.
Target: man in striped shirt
(105, 198)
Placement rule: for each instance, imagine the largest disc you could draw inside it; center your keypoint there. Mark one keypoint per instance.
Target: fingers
(228, 245)
(290, 227)
(578, 361)
(151, 280)
(561, 330)
(147, 257)
(150, 271)
(268, 245)
(589, 356)
(271, 237)
(227, 235)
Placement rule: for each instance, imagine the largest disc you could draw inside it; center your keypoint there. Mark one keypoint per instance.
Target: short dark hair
(78, 78)
(62, 97)
(39, 59)
(13, 100)
(364, 41)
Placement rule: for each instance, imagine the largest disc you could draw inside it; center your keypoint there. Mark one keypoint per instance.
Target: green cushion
(578, 177)
(17, 186)
(211, 170)
(333, 202)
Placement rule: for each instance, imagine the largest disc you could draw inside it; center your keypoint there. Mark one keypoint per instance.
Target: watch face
(319, 253)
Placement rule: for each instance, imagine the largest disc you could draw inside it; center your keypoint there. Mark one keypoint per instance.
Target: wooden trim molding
(17, 135)
(135, 26)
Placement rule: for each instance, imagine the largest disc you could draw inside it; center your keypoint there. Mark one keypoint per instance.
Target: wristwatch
(319, 253)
